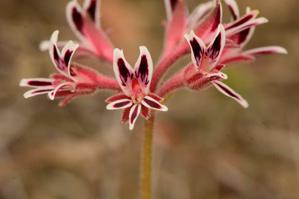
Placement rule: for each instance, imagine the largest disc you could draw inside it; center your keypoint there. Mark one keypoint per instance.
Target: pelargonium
(211, 42)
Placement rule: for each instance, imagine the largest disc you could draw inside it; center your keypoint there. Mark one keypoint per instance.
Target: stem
(175, 82)
(165, 64)
(105, 82)
(146, 160)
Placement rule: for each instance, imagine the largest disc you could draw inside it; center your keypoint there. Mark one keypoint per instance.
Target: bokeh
(206, 146)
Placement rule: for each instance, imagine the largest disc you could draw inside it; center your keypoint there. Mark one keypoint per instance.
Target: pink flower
(71, 80)
(85, 23)
(239, 32)
(135, 97)
(206, 68)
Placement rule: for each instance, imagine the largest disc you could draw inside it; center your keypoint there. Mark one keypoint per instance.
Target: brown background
(206, 145)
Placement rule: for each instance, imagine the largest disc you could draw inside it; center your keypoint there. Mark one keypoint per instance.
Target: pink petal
(36, 82)
(266, 51)
(122, 70)
(151, 103)
(156, 97)
(216, 47)
(224, 89)
(119, 96)
(35, 92)
(243, 20)
(61, 61)
(75, 18)
(60, 87)
(145, 112)
(243, 37)
(210, 23)
(175, 27)
(199, 13)
(197, 49)
(170, 6)
(125, 115)
(119, 104)
(237, 58)
(133, 115)
(218, 75)
(144, 68)
(233, 8)
(92, 9)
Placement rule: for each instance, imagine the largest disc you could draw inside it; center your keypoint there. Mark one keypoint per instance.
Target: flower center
(137, 92)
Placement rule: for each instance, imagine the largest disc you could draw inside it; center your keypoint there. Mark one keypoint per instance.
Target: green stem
(146, 160)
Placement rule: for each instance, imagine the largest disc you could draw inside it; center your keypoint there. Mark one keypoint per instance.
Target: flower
(239, 32)
(70, 81)
(206, 68)
(85, 23)
(135, 97)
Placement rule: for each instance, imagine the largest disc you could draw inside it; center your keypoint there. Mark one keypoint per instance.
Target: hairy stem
(165, 64)
(175, 82)
(146, 160)
(105, 82)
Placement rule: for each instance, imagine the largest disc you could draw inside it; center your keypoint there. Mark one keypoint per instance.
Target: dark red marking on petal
(125, 115)
(91, 9)
(39, 83)
(229, 92)
(67, 57)
(214, 50)
(173, 4)
(121, 104)
(41, 91)
(197, 50)
(142, 72)
(156, 97)
(77, 19)
(152, 103)
(241, 21)
(134, 114)
(116, 97)
(145, 112)
(123, 71)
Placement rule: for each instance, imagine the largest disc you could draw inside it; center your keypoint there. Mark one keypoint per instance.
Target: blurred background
(206, 146)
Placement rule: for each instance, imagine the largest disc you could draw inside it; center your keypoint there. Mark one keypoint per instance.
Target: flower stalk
(146, 159)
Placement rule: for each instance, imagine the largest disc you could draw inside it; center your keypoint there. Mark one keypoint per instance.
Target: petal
(216, 47)
(170, 6)
(266, 50)
(68, 52)
(224, 89)
(175, 27)
(151, 103)
(133, 115)
(92, 9)
(156, 97)
(75, 18)
(240, 21)
(243, 37)
(199, 13)
(218, 75)
(119, 104)
(145, 112)
(35, 92)
(122, 70)
(144, 68)
(62, 60)
(36, 82)
(210, 23)
(119, 96)
(197, 48)
(60, 87)
(125, 115)
(233, 8)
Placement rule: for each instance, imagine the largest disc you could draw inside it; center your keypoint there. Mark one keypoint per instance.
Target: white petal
(119, 104)
(133, 115)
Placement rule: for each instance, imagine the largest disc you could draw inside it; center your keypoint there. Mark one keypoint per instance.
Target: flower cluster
(212, 43)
